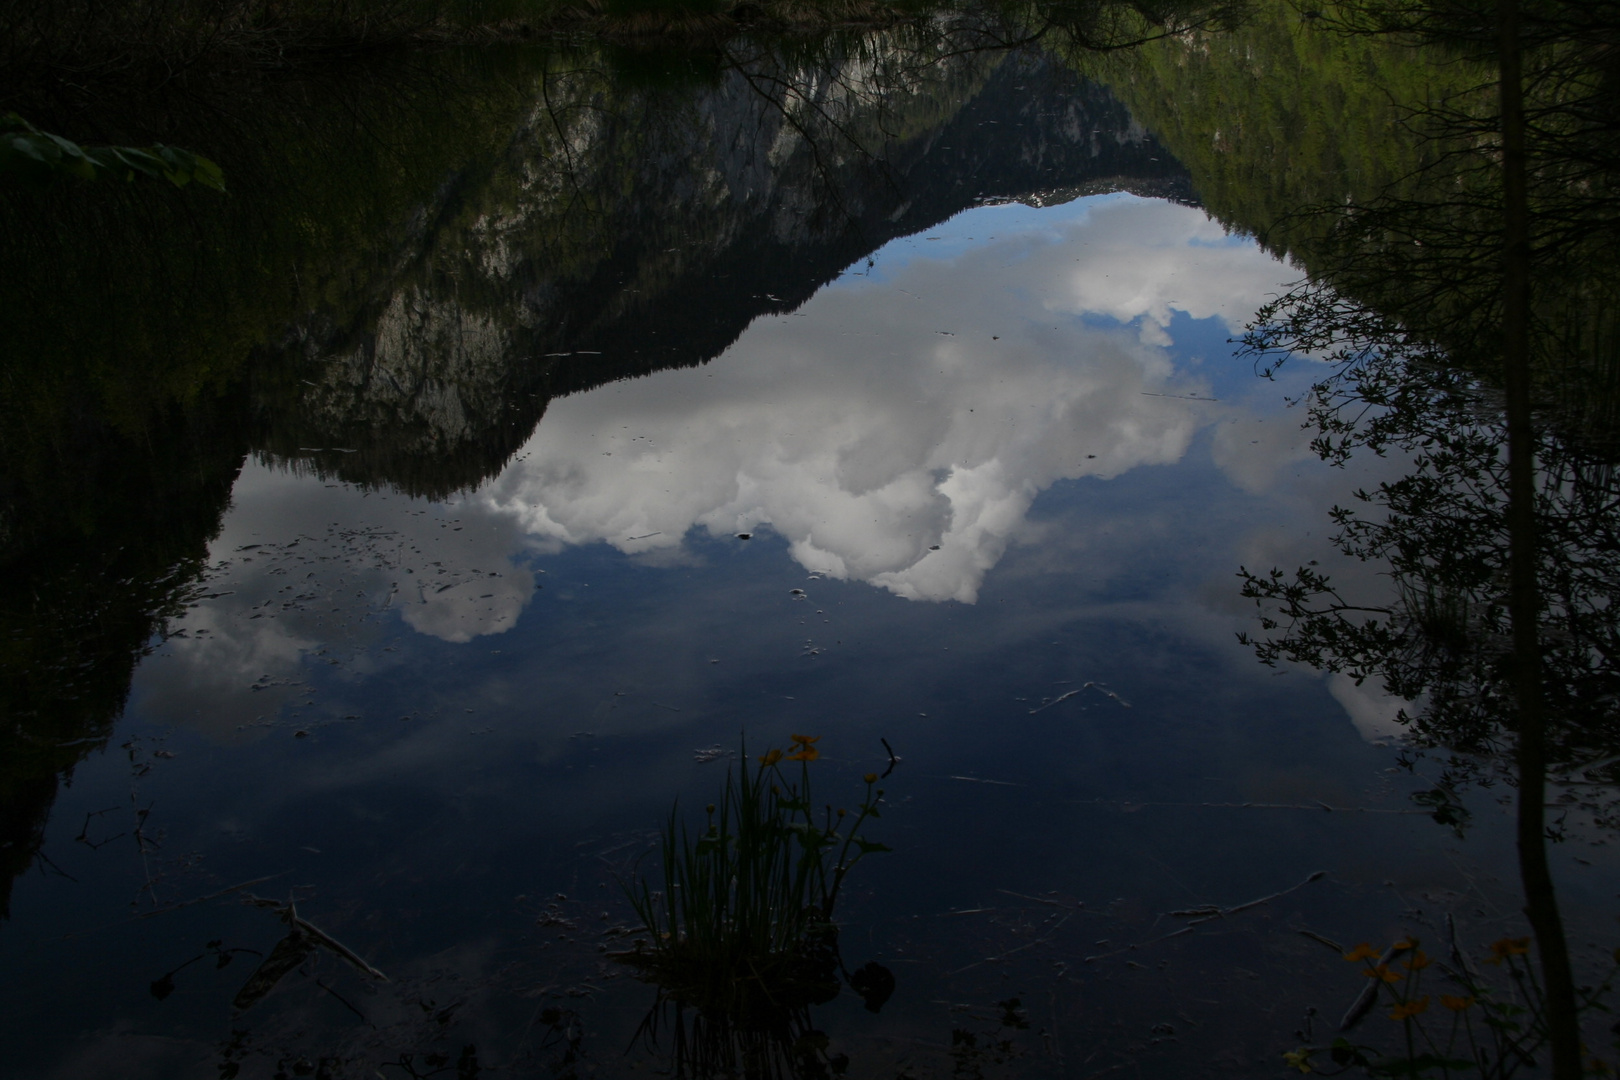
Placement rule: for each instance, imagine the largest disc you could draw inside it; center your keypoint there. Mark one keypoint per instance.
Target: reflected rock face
(628, 231)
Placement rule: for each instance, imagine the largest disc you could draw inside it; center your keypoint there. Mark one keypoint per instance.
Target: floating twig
(1207, 913)
(1368, 997)
(1317, 806)
(894, 758)
(1329, 942)
(175, 907)
(1042, 900)
(1056, 700)
(1027, 945)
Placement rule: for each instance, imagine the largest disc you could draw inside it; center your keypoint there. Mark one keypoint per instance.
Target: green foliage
(1440, 636)
(35, 156)
(1404, 314)
(743, 923)
(1274, 114)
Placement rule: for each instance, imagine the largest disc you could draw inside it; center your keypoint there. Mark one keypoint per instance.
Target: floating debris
(1209, 913)
(1055, 701)
(1105, 692)
(302, 940)
(894, 759)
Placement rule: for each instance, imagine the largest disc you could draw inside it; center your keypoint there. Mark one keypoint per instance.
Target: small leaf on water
(289, 952)
(875, 984)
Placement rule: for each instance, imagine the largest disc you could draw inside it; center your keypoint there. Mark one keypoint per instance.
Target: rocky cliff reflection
(632, 229)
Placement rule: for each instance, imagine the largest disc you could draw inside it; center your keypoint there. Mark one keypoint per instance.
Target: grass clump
(743, 924)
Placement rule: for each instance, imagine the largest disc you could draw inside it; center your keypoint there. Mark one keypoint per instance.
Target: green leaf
(36, 156)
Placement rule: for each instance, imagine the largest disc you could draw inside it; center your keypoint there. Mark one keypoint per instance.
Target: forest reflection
(1468, 320)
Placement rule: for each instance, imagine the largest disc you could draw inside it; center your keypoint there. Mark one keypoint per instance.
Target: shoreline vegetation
(61, 57)
(62, 53)
(55, 53)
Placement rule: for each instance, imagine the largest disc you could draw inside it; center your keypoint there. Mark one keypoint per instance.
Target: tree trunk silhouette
(1541, 903)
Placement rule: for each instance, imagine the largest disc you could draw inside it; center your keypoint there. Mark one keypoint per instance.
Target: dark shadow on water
(780, 1043)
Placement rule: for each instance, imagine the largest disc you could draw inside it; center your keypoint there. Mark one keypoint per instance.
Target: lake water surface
(961, 488)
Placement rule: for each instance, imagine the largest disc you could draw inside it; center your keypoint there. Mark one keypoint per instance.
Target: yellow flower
(1506, 947)
(1299, 1059)
(1419, 961)
(809, 753)
(1410, 1008)
(805, 740)
(1456, 1002)
(1403, 946)
(770, 757)
(870, 778)
(1382, 972)
(1363, 951)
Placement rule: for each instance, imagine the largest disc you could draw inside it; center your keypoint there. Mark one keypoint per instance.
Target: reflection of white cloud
(486, 602)
(1147, 260)
(1372, 711)
(300, 564)
(1252, 450)
(896, 432)
(229, 671)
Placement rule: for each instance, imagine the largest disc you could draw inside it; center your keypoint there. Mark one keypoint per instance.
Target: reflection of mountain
(629, 228)
(668, 225)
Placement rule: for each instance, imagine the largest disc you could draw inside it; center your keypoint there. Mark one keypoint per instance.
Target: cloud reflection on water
(897, 431)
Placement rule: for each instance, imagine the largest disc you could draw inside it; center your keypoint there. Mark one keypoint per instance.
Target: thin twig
(1208, 914)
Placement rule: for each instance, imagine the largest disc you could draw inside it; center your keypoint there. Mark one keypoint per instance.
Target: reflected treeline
(1468, 312)
(1405, 303)
(414, 259)
(1441, 637)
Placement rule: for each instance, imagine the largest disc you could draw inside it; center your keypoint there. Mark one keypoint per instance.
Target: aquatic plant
(743, 924)
(1470, 1027)
(37, 157)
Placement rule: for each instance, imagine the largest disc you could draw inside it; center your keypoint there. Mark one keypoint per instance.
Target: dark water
(881, 394)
